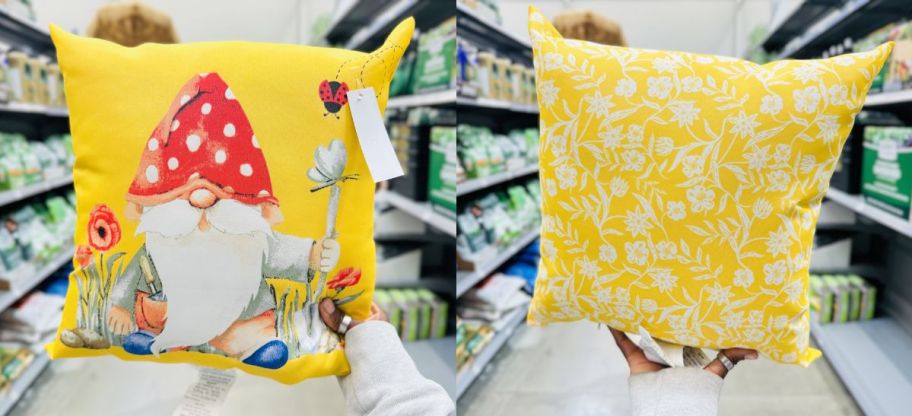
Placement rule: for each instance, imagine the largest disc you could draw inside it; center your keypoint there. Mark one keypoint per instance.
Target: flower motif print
(829, 128)
(684, 112)
(762, 208)
(743, 125)
(666, 250)
(778, 242)
(838, 94)
(774, 273)
(663, 280)
(692, 84)
(598, 104)
(566, 176)
(771, 104)
(758, 158)
(664, 64)
(637, 222)
(553, 61)
(626, 87)
(743, 278)
(806, 99)
(633, 160)
(637, 252)
(618, 187)
(719, 294)
(664, 146)
(807, 73)
(607, 253)
(701, 199)
(547, 92)
(676, 210)
(588, 268)
(693, 165)
(612, 137)
(659, 87)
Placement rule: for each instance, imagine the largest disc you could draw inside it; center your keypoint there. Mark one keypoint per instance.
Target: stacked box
(416, 313)
(887, 169)
(442, 171)
(842, 298)
(435, 67)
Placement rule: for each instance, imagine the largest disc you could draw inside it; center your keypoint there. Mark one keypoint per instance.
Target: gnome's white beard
(209, 277)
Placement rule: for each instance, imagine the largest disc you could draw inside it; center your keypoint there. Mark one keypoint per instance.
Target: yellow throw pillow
(221, 194)
(681, 191)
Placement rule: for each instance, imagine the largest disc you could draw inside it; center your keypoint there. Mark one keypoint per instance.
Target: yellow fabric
(681, 191)
(118, 95)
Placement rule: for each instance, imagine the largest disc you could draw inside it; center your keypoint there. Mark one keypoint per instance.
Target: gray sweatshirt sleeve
(384, 380)
(688, 391)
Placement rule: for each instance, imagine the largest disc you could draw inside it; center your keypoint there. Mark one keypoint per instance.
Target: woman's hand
(332, 316)
(638, 362)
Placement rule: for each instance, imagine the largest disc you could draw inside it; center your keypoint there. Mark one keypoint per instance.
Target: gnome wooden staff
(327, 173)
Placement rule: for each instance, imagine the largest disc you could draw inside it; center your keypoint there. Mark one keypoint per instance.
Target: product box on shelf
(847, 175)
(416, 313)
(412, 141)
(442, 171)
(842, 298)
(435, 67)
(887, 169)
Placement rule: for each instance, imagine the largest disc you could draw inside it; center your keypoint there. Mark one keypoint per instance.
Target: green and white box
(886, 179)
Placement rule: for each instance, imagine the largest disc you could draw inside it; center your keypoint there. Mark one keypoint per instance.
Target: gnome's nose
(202, 198)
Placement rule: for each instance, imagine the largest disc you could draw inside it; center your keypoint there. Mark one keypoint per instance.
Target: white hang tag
(206, 396)
(375, 142)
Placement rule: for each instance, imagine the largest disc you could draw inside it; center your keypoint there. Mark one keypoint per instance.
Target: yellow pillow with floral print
(221, 194)
(681, 191)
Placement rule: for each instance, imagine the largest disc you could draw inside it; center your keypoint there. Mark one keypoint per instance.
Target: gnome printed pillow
(221, 194)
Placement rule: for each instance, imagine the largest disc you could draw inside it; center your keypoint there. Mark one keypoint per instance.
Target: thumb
(330, 315)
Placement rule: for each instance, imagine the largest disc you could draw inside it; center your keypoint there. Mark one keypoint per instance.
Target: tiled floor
(575, 369)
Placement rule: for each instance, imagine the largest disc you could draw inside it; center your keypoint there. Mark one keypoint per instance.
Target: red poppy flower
(346, 277)
(83, 255)
(104, 230)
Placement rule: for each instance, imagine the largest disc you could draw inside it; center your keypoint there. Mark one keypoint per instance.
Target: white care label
(375, 142)
(206, 397)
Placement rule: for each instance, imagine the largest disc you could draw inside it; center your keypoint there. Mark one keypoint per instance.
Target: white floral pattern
(681, 190)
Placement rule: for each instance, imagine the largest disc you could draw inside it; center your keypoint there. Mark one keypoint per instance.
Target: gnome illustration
(204, 202)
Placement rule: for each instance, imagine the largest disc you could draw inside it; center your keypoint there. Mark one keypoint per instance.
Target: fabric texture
(384, 380)
(681, 191)
(221, 194)
(687, 391)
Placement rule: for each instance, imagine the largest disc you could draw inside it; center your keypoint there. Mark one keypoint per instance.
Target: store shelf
(18, 31)
(805, 15)
(473, 185)
(488, 103)
(857, 203)
(9, 398)
(421, 210)
(371, 34)
(355, 14)
(872, 359)
(855, 18)
(424, 99)
(481, 31)
(888, 98)
(435, 360)
(37, 109)
(9, 297)
(15, 195)
(465, 280)
(471, 371)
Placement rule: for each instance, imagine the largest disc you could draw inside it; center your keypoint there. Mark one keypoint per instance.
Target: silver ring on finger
(726, 362)
(346, 321)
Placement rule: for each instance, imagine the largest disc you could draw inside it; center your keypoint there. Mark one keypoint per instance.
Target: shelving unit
(9, 398)
(465, 280)
(15, 195)
(504, 41)
(420, 210)
(491, 104)
(471, 371)
(805, 15)
(871, 358)
(889, 98)
(424, 99)
(857, 203)
(9, 297)
(376, 18)
(854, 17)
(473, 185)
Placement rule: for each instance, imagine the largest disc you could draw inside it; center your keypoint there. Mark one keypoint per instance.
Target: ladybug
(332, 93)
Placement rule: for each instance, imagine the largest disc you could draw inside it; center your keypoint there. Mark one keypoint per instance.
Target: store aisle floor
(575, 369)
(107, 385)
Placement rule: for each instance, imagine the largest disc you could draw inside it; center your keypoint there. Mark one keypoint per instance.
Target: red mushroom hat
(204, 141)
